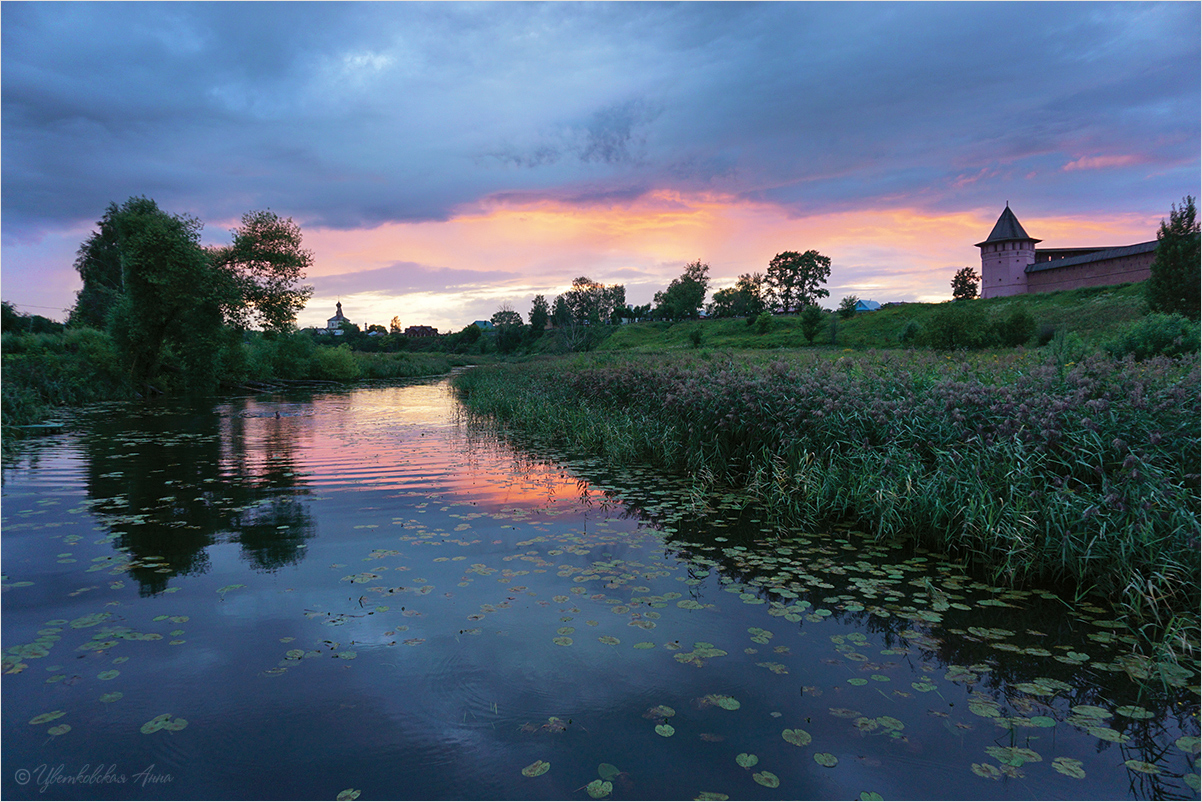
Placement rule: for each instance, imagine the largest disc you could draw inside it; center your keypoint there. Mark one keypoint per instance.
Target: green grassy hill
(1094, 314)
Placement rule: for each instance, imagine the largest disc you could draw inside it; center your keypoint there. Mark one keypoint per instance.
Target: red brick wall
(1093, 274)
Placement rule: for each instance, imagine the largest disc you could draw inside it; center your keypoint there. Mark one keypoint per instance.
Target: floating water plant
(537, 768)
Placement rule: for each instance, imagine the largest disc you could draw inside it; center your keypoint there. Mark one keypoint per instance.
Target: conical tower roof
(1007, 229)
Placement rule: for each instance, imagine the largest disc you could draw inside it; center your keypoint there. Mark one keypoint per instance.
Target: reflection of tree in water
(169, 482)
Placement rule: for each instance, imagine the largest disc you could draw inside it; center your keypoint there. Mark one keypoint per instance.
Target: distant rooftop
(1095, 256)
(1007, 229)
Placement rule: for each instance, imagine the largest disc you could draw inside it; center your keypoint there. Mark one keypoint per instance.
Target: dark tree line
(150, 283)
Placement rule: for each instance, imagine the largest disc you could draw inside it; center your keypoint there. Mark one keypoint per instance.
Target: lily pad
(659, 711)
(745, 760)
(609, 640)
(348, 794)
(1189, 744)
(666, 730)
(111, 697)
(986, 770)
(711, 796)
(1069, 767)
(562, 641)
(1142, 766)
(797, 737)
(107, 675)
(599, 789)
(537, 768)
(826, 759)
(766, 779)
(608, 771)
(47, 717)
(61, 729)
(1134, 711)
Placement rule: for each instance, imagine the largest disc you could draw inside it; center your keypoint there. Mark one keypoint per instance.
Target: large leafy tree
(266, 263)
(505, 316)
(98, 262)
(591, 302)
(685, 295)
(744, 299)
(1177, 268)
(795, 279)
(171, 294)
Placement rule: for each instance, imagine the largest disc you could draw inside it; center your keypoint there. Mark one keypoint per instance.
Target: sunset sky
(445, 158)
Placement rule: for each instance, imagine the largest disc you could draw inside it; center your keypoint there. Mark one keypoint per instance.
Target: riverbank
(1081, 476)
(80, 366)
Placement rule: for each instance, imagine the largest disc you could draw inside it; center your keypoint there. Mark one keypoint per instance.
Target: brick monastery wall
(1092, 274)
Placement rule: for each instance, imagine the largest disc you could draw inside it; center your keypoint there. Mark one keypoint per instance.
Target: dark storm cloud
(355, 114)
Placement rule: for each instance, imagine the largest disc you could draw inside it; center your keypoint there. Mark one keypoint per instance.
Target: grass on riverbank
(1076, 475)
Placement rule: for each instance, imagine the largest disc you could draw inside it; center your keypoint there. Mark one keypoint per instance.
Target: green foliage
(910, 333)
(265, 263)
(470, 333)
(685, 296)
(42, 371)
(1157, 335)
(505, 316)
(847, 307)
(336, 364)
(1015, 327)
(14, 321)
(540, 315)
(695, 337)
(795, 280)
(958, 324)
(590, 302)
(811, 321)
(1177, 268)
(763, 322)
(965, 284)
(745, 299)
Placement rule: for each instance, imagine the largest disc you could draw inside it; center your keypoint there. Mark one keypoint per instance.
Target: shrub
(1045, 334)
(763, 322)
(1015, 328)
(336, 364)
(811, 321)
(1156, 335)
(910, 332)
(958, 324)
(695, 337)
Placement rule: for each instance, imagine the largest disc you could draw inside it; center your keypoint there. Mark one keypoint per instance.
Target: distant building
(867, 306)
(334, 324)
(421, 331)
(1012, 265)
(483, 325)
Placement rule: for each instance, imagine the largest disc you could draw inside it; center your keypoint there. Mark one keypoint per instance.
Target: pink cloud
(1100, 162)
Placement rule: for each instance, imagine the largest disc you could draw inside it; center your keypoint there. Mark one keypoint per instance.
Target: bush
(1156, 335)
(1045, 334)
(1015, 328)
(957, 324)
(811, 322)
(336, 364)
(695, 337)
(763, 322)
(910, 332)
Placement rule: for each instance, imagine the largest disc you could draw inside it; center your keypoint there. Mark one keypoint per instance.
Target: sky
(443, 159)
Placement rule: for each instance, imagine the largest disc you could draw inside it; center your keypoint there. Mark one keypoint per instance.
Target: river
(362, 594)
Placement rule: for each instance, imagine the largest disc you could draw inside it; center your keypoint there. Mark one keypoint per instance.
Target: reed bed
(1081, 476)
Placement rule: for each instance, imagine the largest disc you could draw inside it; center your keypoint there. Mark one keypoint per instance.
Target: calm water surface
(365, 593)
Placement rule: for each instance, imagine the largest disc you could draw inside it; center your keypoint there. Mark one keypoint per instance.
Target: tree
(794, 279)
(540, 313)
(591, 302)
(685, 295)
(171, 293)
(1176, 270)
(98, 262)
(745, 299)
(562, 316)
(395, 326)
(266, 262)
(811, 322)
(965, 284)
(847, 307)
(505, 316)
